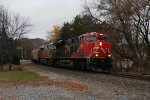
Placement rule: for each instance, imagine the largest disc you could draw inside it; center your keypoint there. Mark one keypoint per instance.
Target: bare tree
(14, 26)
(3, 35)
(141, 21)
(130, 20)
(18, 27)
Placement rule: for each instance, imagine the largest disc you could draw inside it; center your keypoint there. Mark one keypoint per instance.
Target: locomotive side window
(81, 39)
(41, 49)
(48, 46)
(90, 38)
(53, 47)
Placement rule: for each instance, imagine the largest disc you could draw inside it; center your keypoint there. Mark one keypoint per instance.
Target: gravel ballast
(97, 86)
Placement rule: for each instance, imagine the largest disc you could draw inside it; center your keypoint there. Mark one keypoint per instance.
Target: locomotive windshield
(90, 38)
(102, 38)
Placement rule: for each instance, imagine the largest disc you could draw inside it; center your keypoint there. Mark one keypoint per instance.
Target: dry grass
(66, 84)
(136, 69)
(22, 77)
(70, 85)
(14, 67)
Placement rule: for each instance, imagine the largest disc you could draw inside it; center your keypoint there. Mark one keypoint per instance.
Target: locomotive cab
(95, 45)
(96, 48)
(102, 48)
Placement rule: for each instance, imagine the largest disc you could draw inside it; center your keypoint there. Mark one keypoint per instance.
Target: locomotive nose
(102, 50)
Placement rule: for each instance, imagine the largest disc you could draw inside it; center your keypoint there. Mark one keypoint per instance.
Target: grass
(11, 76)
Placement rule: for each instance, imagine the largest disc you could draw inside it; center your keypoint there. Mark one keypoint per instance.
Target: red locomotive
(88, 51)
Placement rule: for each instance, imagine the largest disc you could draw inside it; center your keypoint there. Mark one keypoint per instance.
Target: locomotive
(90, 51)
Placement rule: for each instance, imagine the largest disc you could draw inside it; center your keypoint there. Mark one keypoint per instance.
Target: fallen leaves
(65, 84)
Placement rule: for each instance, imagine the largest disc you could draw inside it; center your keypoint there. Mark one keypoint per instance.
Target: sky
(44, 14)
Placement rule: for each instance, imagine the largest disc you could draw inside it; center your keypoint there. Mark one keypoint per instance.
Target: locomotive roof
(58, 42)
(93, 33)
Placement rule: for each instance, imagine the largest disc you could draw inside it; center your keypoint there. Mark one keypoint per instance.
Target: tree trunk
(148, 45)
(2, 66)
(10, 66)
(10, 59)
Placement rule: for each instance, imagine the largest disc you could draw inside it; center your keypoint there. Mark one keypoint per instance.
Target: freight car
(90, 51)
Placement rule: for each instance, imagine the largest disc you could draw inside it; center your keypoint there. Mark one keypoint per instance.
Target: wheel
(88, 67)
(39, 61)
(95, 68)
(92, 67)
(83, 66)
(47, 61)
(107, 67)
(55, 63)
(110, 68)
(75, 64)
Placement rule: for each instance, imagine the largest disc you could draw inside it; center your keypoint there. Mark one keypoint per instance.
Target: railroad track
(131, 75)
(125, 74)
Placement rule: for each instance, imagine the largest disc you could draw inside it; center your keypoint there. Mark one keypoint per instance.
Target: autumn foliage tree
(81, 24)
(54, 34)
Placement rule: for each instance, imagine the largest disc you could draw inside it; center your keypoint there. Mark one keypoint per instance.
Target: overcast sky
(44, 14)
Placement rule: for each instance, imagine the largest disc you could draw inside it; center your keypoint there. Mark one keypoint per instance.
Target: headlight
(100, 43)
(109, 55)
(96, 55)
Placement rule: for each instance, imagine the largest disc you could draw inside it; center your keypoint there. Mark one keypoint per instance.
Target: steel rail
(131, 75)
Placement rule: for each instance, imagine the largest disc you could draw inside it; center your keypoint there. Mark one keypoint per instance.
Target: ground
(69, 84)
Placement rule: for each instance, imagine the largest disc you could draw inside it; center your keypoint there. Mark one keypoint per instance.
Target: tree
(130, 20)
(80, 25)
(14, 27)
(3, 46)
(3, 36)
(66, 31)
(54, 35)
(83, 24)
